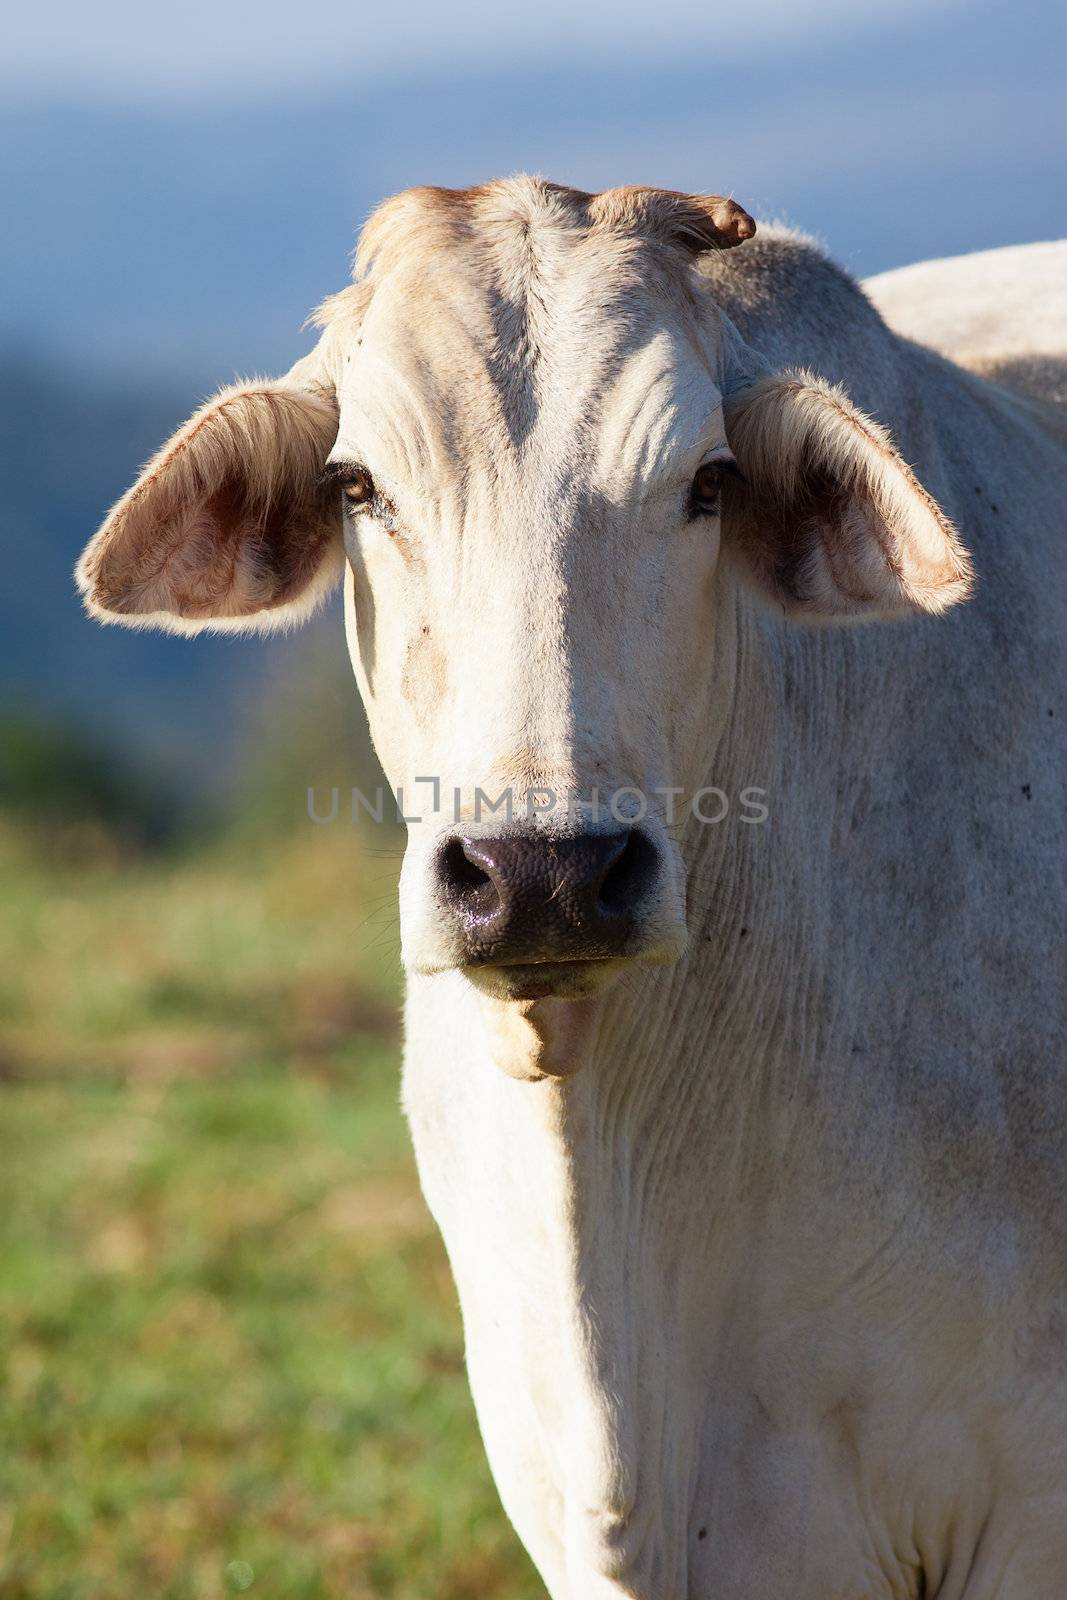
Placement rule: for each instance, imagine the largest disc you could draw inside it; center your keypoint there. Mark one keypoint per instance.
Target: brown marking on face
(424, 680)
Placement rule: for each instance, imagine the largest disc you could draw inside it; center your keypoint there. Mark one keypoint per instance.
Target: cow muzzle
(537, 914)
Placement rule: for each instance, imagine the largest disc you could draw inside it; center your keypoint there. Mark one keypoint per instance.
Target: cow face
(530, 466)
(518, 439)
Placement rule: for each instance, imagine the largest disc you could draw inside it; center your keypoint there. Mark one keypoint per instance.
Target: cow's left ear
(232, 527)
(829, 521)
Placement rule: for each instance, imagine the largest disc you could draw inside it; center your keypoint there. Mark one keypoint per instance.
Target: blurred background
(230, 1354)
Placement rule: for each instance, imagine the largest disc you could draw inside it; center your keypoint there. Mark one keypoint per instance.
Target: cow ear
(828, 520)
(231, 527)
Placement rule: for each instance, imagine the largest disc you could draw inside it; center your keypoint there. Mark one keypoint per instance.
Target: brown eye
(357, 486)
(706, 487)
(707, 484)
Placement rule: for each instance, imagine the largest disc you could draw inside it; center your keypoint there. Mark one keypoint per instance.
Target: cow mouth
(546, 979)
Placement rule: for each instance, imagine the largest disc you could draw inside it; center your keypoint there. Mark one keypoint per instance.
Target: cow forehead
(526, 333)
(624, 428)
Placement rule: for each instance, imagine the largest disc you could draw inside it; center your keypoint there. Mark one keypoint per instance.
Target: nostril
(629, 875)
(466, 884)
(460, 870)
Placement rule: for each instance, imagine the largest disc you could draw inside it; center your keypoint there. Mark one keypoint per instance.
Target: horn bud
(731, 222)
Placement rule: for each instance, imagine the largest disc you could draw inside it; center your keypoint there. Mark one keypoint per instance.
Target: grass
(230, 1352)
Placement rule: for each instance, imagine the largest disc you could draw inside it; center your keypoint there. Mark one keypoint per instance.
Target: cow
(735, 1048)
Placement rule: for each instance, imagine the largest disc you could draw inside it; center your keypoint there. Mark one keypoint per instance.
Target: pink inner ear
(849, 568)
(214, 570)
(238, 559)
(832, 520)
(230, 521)
(853, 554)
(219, 557)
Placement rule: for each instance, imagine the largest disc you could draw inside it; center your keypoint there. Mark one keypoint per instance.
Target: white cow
(747, 1139)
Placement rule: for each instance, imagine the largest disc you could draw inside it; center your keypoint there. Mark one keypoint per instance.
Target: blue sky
(135, 51)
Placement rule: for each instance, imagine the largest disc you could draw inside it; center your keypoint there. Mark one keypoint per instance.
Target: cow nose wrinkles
(526, 897)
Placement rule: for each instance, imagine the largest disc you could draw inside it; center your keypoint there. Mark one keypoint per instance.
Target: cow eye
(707, 484)
(357, 485)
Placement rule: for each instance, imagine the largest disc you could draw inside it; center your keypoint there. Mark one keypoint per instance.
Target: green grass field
(230, 1350)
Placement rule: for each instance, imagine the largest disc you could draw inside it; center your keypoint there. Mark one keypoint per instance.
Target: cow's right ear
(232, 526)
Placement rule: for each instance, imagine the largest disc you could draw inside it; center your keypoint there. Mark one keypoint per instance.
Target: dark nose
(535, 897)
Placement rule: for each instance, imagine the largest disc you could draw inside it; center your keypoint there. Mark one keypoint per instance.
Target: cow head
(531, 444)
